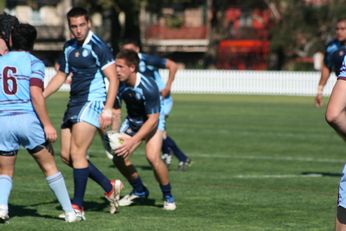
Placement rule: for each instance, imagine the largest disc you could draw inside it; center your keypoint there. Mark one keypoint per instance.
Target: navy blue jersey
(337, 58)
(149, 66)
(141, 100)
(86, 63)
(328, 60)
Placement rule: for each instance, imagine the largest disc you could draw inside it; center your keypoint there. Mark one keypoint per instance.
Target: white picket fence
(240, 82)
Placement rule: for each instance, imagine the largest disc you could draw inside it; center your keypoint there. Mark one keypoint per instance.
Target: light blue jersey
(18, 71)
(20, 125)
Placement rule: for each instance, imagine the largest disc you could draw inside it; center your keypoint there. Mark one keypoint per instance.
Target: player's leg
(8, 150)
(65, 146)
(128, 170)
(55, 180)
(166, 108)
(336, 117)
(41, 150)
(341, 205)
(169, 146)
(153, 150)
(167, 152)
(6, 174)
(81, 138)
(184, 161)
(336, 113)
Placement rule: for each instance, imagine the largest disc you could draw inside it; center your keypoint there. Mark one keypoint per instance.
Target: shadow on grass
(142, 167)
(26, 211)
(329, 174)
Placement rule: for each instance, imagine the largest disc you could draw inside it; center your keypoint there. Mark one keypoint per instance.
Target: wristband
(320, 90)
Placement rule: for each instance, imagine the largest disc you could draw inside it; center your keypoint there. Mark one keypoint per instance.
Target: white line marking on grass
(284, 158)
(242, 157)
(276, 176)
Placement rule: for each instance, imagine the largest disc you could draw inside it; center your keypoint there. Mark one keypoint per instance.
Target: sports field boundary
(239, 82)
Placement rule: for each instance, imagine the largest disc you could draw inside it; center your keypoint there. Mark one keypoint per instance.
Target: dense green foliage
(259, 163)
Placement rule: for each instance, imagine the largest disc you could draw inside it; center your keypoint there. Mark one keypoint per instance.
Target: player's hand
(127, 147)
(165, 92)
(50, 132)
(319, 100)
(105, 118)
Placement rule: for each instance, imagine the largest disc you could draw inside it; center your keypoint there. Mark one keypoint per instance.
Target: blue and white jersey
(86, 63)
(149, 66)
(18, 71)
(328, 60)
(342, 74)
(141, 100)
(337, 59)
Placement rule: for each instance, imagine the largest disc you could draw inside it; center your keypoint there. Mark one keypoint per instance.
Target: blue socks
(169, 144)
(80, 177)
(57, 185)
(5, 189)
(137, 184)
(166, 190)
(99, 178)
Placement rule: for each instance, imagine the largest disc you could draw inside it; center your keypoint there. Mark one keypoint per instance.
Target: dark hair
(130, 41)
(341, 20)
(77, 12)
(23, 37)
(7, 23)
(130, 56)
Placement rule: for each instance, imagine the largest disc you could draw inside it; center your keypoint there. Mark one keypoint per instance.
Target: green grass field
(259, 163)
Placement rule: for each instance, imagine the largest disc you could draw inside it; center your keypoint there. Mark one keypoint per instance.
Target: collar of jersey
(138, 79)
(88, 38)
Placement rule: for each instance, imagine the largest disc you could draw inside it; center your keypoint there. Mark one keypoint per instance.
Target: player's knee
(332, 117)
(65, 157)
(153, 159)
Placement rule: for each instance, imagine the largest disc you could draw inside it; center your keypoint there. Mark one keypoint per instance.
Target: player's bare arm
(129, 143)
(325, 73)
(116, 114)
(172, 68)
(39, 104)
(106, 115)
(54, 84)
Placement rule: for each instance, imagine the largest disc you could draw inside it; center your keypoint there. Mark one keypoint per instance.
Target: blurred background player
(329, 64)
(149, 66)
(7, 23)
(89, 60)
(22, 100)
(143, 122)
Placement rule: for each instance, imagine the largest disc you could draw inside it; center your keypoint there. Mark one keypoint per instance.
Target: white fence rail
(240, 82)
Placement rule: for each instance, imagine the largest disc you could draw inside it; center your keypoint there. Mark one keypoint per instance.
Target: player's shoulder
(69, 43)
(25, 57)
(147, 84)
(338, 55)
(34, 59)
(151, 58)
(98, 43)
(333, 45)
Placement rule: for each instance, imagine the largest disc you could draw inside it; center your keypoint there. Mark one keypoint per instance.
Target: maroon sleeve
(36, 82)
